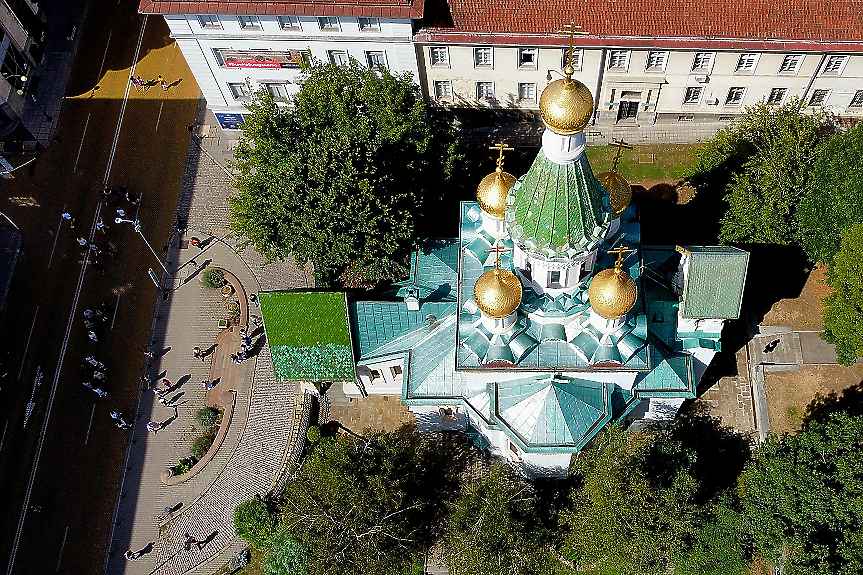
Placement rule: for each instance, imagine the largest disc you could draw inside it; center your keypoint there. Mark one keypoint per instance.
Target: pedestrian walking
(167, 384)
(92, 361)
(160, 396)
(115, 415)
(149, 353)
(83, 243)
(99, 392)
(195, 242)
(247, 341)
(92, 335)
(207, 384)
(100, 225)
(191, 541)
(121, 213)
(234, 358)
(68, 216)
(96, 249)
(254, 299)
(198, 353)
(130, 555)
(100, 375)
(154, 427)
(195, 265)
(146, 381)
(88, 313)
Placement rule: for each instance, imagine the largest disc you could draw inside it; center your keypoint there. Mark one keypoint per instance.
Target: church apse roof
(715, 282)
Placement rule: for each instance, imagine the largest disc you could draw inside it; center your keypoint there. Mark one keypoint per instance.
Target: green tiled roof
(671, 376)
(558, 210)
(434, 271)
(308, 335)
(381, 327)
(714, 286)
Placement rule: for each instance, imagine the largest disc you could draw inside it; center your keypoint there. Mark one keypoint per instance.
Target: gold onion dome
(619, 191)
(492, 191)
(612, 292)
(566, 105)
(497, 293)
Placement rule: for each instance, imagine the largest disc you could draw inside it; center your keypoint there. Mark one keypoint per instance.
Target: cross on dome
(497, 250)
(620, 250)
(620, 145)
(572, 30)
(501, 147)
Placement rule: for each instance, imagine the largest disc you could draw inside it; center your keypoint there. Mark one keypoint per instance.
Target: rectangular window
(278, 91)
(442, 90)
(735, 96)
(618, 59)
(576, 58)
(702, 62)
(375, 375)
(554, 279)
(656, 60)
(527, 92)
(370, 25)
(835, 64)
(439, 55)
(818, 97)
(693, 95)
(249, 22)
(209, 21)
(527, 58)
(857, 100)
(330, 23)
(338, 57)
(513, 449)
(790, 64)
(746, 62)
(239, 91)
(396, 372)
(777, 95)
(482, 57)
(289, 23)
(485, 90)
(376, 60)
(685, 118)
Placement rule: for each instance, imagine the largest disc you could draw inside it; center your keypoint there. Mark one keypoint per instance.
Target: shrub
(233, 308)
(215, 278)
(203, 444)
(184, 466)
(313, 434)
(209, 416)
(254, 522)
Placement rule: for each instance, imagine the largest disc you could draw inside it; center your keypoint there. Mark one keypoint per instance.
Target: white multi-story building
(22, 36)
(235, 48)
(648, 61)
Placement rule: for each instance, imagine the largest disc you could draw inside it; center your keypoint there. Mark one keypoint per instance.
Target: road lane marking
(62, 547)
(2, 439)
(116, 305)
(86, 439)
(81, 146)
(27, 347)
(102, 67)
(51, 397)
(159, 117)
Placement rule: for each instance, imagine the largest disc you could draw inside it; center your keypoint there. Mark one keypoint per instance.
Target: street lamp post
(137, 225)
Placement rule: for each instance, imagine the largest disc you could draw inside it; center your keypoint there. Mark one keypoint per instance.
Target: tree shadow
(850, 400)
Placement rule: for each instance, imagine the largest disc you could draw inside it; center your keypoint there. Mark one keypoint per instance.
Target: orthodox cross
(620, 145)
(620, 250)
(501, 147)
(572, 30)
(497, 250)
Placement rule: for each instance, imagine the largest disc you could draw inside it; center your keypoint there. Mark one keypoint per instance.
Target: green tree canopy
(801, 496)
(339, 178)
(764, 162)
(285, 556)
(843, 309)
(834, 200)
(254, 522)
(494, 529)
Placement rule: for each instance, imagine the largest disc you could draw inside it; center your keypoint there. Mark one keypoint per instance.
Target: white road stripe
(27, 347)
(81, 146)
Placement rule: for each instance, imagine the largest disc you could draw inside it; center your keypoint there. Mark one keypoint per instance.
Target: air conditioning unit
(711, 101)
(702, 79)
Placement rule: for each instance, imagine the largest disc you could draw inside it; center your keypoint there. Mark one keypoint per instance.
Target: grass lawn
(305, 319)
(253, 568)
(669, 162)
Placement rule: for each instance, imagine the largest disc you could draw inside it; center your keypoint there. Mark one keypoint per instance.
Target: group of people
(94, 319)
(141, 84)
(245, 347)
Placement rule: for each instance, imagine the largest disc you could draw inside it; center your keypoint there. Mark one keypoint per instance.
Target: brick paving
(730, 398)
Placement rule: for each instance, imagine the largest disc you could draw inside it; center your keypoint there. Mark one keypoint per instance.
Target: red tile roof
(508, 21)
(366, 8)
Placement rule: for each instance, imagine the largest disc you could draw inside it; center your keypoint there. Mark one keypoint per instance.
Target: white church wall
(656, 410)
(382, 376)
(536, 465)
(701, 358)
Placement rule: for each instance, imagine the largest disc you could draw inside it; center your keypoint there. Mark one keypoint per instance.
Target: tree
(801, 497)
(764, 162)
(361, 504)
(834, 200)
(843, 309)
(254, 522)
(339, 178)
(286, 556)
(493, 529)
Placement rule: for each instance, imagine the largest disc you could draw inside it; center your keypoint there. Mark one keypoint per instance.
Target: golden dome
(497, 293)
(619, 191)
(566, 105)
(492, 191)
(612, 293)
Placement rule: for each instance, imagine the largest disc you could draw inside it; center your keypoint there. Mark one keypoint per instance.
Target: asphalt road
(59, 480)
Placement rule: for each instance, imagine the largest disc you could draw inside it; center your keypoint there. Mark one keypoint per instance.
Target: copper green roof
(558, 210)
(308, 335)
(714, 285)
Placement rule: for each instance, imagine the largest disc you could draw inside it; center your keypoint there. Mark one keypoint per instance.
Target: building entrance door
(627, 110)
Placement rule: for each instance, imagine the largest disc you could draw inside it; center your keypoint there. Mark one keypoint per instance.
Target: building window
(279, 91)
(618, 59)
(735, 96)
(338, 57)
(790, 64)
(527, 92)
(554, 279)
(375, 375)
(396, 372)
(746, 62)
(527, 58)
(239, 91)
(818, 97)
(329, 23)
(376, 60)
(857, 100)
(777, 95)
(656, 60)
(485, 90)
(249, 22)
(439, 56)
(482, 57)
(703, 61)
(693, 95)
(210, 21)
(289, 23)
(442, 90)
(835, 64)
(370, 25)
(685, 118)
(576, 58)
(513, 449)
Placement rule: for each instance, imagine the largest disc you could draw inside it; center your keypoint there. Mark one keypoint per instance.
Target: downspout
(598, 91)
